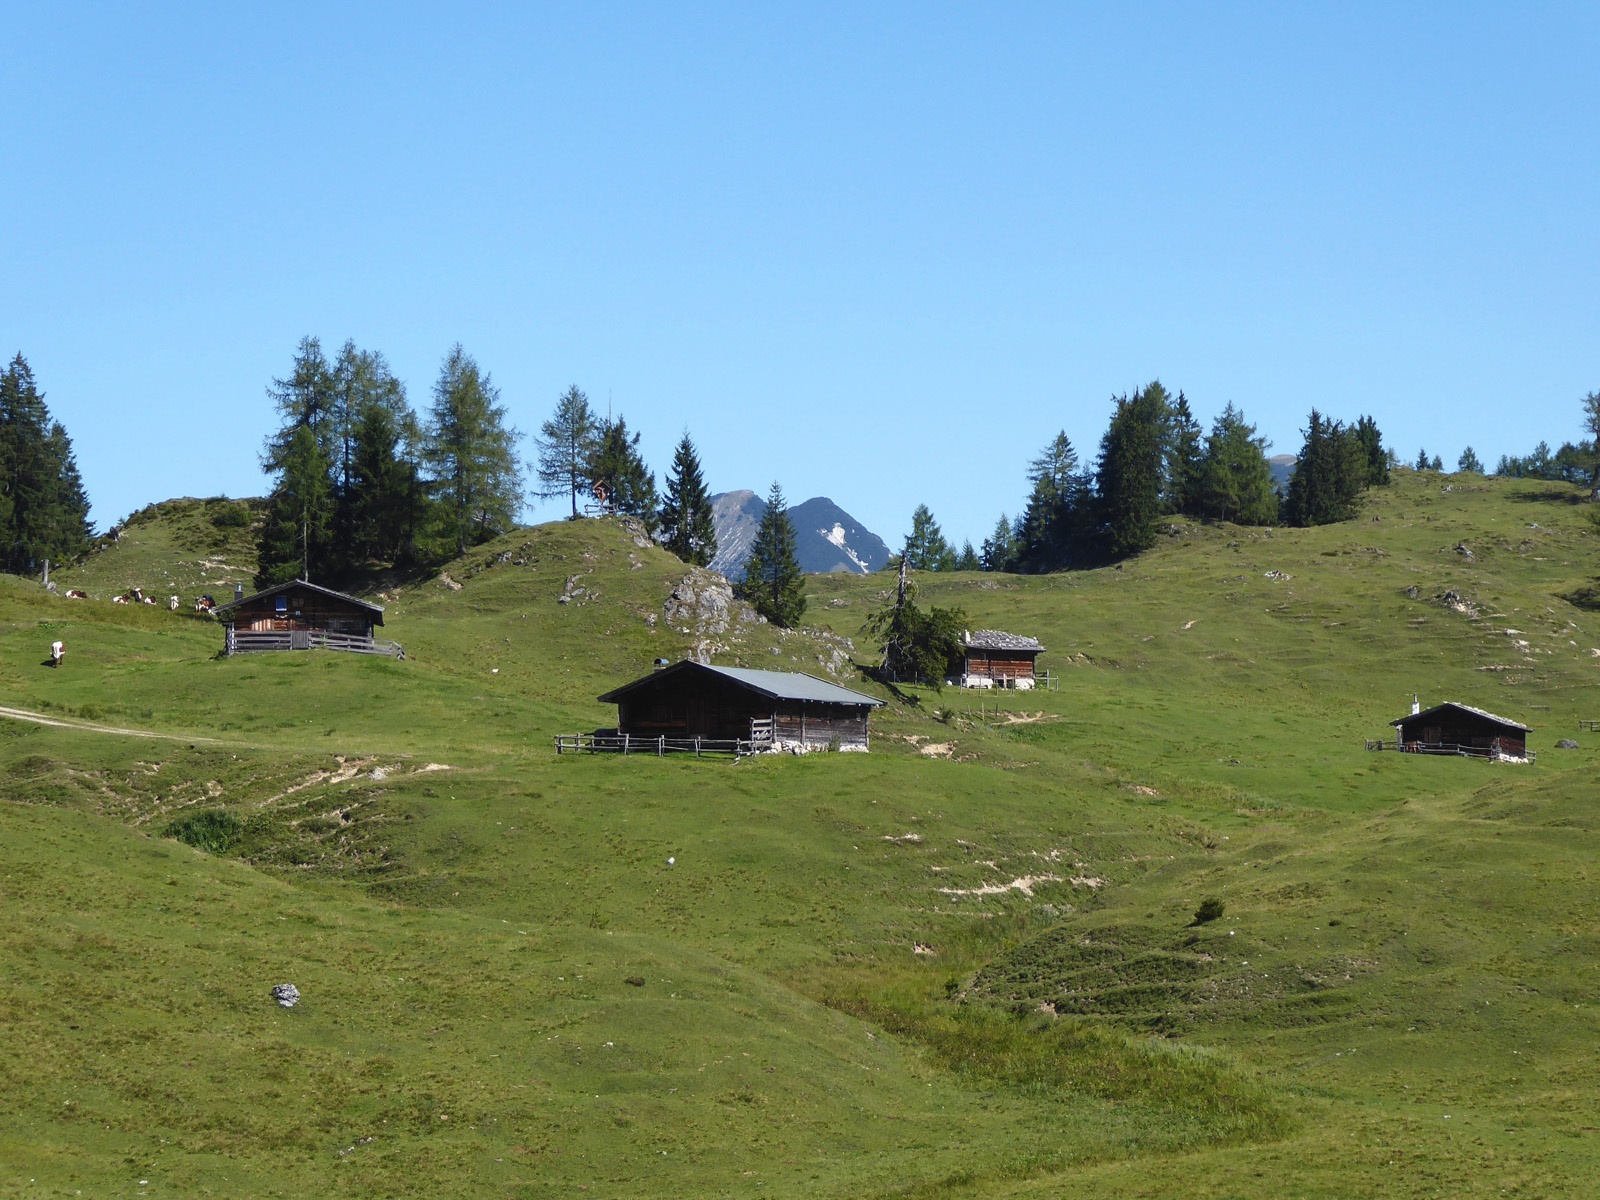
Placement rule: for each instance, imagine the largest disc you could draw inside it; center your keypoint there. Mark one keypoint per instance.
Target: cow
(204, 604)
(57, 652)
(75, 594)
(119, 599)
(172, 604)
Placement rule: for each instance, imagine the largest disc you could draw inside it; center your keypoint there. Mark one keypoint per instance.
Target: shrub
(214, 831)
(1210, 909)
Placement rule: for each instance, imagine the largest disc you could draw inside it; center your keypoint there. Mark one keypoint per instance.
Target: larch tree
(471, 456)
(688, 525)
(296, 537)
(1235, 478)
(925, 547)
(999, 552)
(566, 446)
(773, 582)
(1470, 462)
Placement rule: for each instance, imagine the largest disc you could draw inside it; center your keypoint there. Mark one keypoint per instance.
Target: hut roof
(1466, 708)
(998, 639)
(778, 685)
(302, 585)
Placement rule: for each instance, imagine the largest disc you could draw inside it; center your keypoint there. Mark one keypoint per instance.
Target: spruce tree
(1377, 458)
(688, 527)
(566, 446)
(44, 512)
(1039, 540)
(1185, 460)
(925, 547)
(773, 582)
(1235, 478)
(967, 560)
(999, 552)
(1130, 471)
(617, 466)
(1469, 461)
(471, 456)
(296, 537)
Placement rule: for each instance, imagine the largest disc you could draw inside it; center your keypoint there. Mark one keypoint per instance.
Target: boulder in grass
(1566, 744)
(286, 994)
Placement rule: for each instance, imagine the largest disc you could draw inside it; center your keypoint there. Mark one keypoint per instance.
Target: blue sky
(877, 252)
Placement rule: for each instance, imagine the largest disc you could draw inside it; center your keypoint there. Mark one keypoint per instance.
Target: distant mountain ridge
(827, 538)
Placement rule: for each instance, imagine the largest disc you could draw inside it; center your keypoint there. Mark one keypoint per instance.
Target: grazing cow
(57, 653)
(75, 594)
(119, 599)
(204, 604)
(149, 599)
(172, 604)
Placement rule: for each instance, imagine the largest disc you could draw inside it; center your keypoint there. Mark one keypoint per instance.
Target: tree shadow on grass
(1572, 495)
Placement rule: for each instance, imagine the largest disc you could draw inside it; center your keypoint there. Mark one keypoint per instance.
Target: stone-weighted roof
(997, 639)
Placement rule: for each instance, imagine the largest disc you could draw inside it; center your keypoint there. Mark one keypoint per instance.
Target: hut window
(283, 604)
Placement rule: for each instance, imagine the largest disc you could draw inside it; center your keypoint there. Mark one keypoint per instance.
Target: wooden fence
(1493, 752)
(1588, 726)
(625, 743)
(248, 641)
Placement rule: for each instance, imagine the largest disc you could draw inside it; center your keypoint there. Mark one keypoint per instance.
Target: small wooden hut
(690, 703)
(303, 616)
(1452, 728)
(993, 658)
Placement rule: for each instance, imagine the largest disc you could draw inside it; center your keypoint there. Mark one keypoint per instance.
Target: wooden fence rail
(1449, 748)
(624, 743)
(247, 641)
(1589, 726)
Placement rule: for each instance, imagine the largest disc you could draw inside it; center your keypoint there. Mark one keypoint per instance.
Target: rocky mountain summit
(827, 538)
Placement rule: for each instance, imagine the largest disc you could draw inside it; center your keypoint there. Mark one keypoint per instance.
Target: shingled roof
(998, 639)
(1477, 712)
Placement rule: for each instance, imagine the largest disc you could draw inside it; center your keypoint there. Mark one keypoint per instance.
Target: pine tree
(471, 454)
(1377, 458)
(1236, 479)
(999, 552)
(1130, 474)
(967, 560)
(918, 645)
(308, 397)
(1469, 461)
(688, 527)
(773, 582)
(1332, 470)
(566, 445)
(295, 540)
(925, 548)
(617, 467)
(1422, 461)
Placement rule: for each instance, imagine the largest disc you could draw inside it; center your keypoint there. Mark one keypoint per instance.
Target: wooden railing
(1450, 748)
(625, 743)
(246, 641)
(1589, 726)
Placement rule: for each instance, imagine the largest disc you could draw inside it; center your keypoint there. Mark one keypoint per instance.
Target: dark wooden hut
(303, 616)
(994, 658)
(779, 710)
(1451, 728)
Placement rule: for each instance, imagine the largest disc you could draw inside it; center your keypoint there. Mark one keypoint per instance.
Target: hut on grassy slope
(993, 658)
(1452, 728)
(303, 616)
(691, 703)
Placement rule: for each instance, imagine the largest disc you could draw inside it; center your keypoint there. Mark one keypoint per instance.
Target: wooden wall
(999, 664)
(685, 705)
(303, 610)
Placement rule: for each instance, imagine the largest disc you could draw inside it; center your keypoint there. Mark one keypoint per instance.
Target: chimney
(238, 592)
(1416, 705)
(662, 664)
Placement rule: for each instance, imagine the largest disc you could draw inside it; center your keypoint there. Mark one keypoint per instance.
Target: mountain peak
(827, 538)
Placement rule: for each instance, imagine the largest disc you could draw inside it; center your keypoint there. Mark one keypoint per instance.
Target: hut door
(1433, 735)
(299, 639)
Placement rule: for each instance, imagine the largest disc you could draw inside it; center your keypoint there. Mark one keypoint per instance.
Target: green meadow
(965, 964)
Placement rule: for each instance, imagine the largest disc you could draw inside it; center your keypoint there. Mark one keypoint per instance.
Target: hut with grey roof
(1451, 728)
(993, 658)
(689, 704)
(303, 616)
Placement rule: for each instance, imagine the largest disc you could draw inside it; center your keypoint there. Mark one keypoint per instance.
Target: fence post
(661, 745)
(697, 748)
(624, 743)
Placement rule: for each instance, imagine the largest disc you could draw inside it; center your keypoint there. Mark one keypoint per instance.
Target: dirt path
(22, 714)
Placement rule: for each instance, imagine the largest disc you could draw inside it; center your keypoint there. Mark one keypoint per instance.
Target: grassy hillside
(962, 965)
(182, 547)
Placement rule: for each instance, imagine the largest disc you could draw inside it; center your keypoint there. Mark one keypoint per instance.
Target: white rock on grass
(286, 994)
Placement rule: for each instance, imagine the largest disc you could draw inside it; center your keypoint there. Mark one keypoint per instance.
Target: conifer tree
(1049, 501)
(688, 527)
(471, 454)
(44, 512)
(967, 560)
(1469, 461)
(1422, 461)
(617, 466)
(925, 547)
(566, 445)
(773, 582)
(1377, 458)
(1235, 478)
(999, 552)
(1332, 470)
(1130, 471)
(1185, 460)
(296, 537)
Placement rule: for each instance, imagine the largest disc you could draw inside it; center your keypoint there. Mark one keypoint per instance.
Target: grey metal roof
(998, 639)
(780, 685)
(1477, 712)
(375, 609)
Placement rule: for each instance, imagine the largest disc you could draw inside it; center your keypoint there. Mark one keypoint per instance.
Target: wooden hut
(994, 658)
(691, 703)
(1451, 728)
(303, 616)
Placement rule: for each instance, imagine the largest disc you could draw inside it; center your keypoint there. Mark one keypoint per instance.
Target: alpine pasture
(965, 964)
